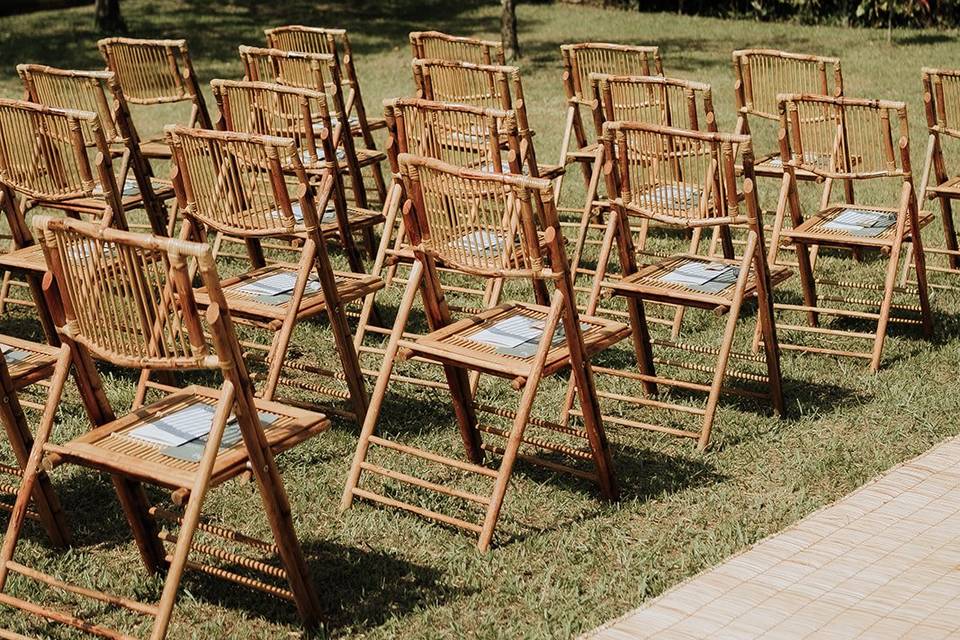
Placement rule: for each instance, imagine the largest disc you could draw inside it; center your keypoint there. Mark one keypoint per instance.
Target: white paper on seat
(130, 188)
(482, 242)
(306, 156)
(671, 197)
(862, 223)
(13, 355)
(510, 332)
(697, 272)
(276, 283)
(328, 215)
(176, 428)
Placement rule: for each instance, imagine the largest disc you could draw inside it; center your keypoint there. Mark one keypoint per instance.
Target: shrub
(868, 13)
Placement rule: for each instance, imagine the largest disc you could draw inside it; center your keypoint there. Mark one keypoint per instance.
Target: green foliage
(867, 13)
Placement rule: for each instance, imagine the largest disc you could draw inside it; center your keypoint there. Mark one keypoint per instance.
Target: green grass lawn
(564, 561)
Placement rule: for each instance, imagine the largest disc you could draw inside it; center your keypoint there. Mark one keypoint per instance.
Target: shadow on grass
(357, 589)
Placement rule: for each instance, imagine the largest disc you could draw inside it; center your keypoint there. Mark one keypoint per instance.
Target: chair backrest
(334, 42)
(477, 222)
(581, 60)
(276, 110)
(459, 135)
(441, 46)
(478, 85)
(154, 72)
(941, 100)
(234, 182)
(484, 86)
(676, 176)
(306, 39)
(43, 153)
(96, 91)
(128, 298)
(761, 74)
(315, 71)
(849, 138)
(304, 70)
(670, 102)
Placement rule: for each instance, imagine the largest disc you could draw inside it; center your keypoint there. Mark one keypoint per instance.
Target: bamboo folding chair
(434, 45)
(579, 61)
(25, 364)
(45, 162)
(656, 100)
(461, 135)
(449, 207)
(336, 43)
(99, 92)
(233, 183)
(869, 140)
(941, 101)
(688, 179)
(761, 75)
(153, 73)
(319, 72)
(127, 300)
(485, 86)
(290, 112)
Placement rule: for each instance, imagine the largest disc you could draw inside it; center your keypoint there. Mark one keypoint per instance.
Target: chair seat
(949, 188)
(131, 197)
(155, 147)
(369, 156)
(27, 361)
(248, 295)
(824, 228)
(690, 281)
(464, 343)
(373, 124)
(29, 259)
(143, 444)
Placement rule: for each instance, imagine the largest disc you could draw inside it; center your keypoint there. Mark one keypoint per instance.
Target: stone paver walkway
(882, 562)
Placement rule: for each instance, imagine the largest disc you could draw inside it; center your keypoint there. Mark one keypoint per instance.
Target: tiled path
(883, 562)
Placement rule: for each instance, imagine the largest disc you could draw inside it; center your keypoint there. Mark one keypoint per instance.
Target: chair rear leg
(519, 425)
(729, 333)
(383, 381)
(45, 499)
(31, 469)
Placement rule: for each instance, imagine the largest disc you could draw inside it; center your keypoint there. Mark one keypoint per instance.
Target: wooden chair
(336, 43)
(488, 87)
(290, 112)
(579, 61)
(687, 179)
(99, 92)
(24, 364)
(461, 135)
(760, 76)
(435, 45)
(319, 72)
(656, 100)
(154, 73)
(941, 101)
(869, 140)
(127, 300)
(232, 183)
(450, 210)
(45, 162)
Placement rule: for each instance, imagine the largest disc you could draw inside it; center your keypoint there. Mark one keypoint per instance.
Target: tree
(107, 16)
(508, 28)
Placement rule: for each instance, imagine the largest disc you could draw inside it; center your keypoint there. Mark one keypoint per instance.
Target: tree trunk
(107, 16)
(508, 29)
